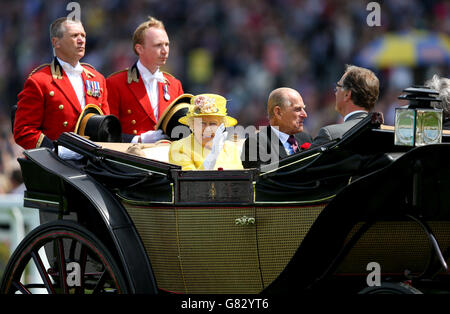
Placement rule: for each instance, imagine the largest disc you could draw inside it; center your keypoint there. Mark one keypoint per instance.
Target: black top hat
(98, 127)
(169, 118)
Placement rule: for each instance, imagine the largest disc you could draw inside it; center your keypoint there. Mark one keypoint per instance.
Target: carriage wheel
(66, 259)
(391, 288)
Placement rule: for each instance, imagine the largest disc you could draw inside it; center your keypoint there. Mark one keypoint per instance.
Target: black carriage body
(315, 220)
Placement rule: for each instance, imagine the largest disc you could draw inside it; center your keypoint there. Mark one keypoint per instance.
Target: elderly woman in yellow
(206, 148)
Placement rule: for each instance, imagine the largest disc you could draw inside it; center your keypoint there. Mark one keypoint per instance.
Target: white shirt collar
(281, 135)
(147, 75)
(69, 68)
(352, 113)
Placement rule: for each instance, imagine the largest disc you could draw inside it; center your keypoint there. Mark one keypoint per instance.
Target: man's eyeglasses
(336, 87)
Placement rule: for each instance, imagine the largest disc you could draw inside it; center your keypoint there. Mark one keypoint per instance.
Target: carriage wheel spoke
(62, 265)
(73, 246)
(69, 260)
(19, 286)
(100, 282)
(42, 272)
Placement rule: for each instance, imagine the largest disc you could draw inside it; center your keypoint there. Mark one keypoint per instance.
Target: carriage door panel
(218, 251)
(281, 230)
(157, 228)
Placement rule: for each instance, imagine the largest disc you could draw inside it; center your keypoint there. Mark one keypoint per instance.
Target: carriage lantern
(418, 123)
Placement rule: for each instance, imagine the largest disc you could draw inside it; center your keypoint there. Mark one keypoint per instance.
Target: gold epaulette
(120, 71)
(38, 68)
(132, 75)
(56, 69)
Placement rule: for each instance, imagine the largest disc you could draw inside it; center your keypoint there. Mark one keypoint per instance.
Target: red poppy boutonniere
(305, 146)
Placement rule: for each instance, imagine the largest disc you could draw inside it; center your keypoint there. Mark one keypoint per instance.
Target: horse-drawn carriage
(331, 218)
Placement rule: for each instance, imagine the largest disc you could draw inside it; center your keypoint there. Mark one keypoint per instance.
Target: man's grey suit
(334, 131)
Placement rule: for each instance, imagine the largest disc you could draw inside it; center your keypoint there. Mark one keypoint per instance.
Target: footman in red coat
(55, 94)
(140, 94)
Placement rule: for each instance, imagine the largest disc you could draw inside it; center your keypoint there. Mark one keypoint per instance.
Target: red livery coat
(48, 104)
(128, 99)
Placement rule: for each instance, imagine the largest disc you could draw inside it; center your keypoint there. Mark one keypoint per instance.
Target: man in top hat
(55, 94)
(206, 148)
(284, 136)
(139, 95)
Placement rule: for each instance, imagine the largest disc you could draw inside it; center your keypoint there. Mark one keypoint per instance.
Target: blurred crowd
(241, 49)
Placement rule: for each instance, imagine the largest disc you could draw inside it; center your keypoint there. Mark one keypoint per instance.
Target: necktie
(293, 142)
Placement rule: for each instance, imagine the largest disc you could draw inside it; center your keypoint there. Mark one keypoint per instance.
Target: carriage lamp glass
(428, 126)
(418, 127)
(404, 126)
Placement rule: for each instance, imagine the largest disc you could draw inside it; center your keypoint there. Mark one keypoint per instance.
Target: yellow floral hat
(208, 105)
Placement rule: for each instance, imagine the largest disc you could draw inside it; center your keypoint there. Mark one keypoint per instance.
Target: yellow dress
(189, 154)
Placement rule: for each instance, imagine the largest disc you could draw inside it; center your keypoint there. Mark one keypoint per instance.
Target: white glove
(217, 145)
(150, 137)
(67, 154)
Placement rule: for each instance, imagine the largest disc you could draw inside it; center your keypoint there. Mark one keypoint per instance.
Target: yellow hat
(208, 105)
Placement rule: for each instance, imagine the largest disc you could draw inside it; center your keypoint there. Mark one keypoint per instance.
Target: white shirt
(75, 78)
(284, 140)
(151, 85)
